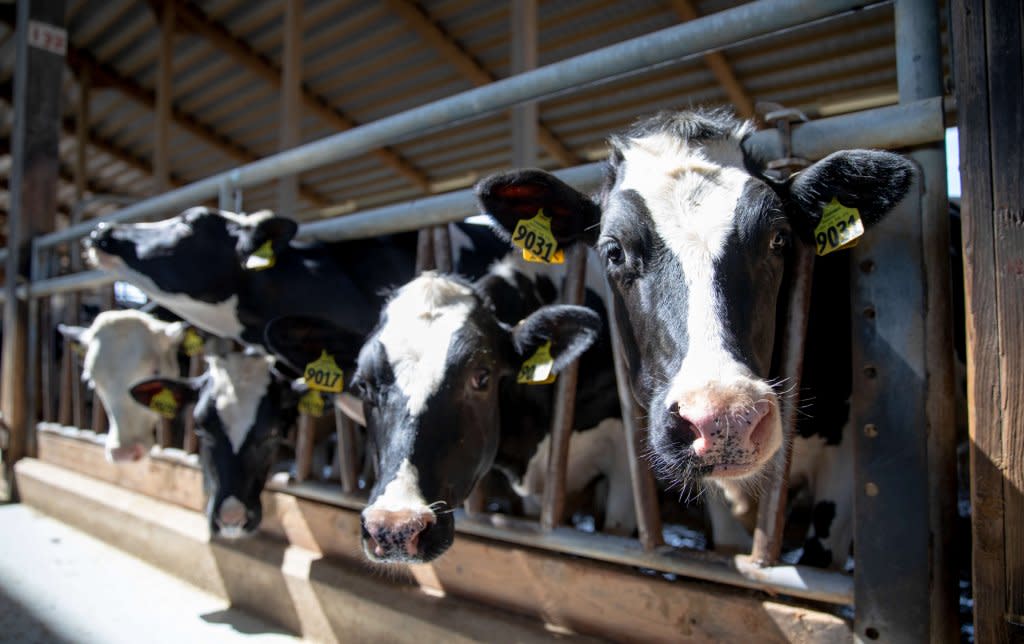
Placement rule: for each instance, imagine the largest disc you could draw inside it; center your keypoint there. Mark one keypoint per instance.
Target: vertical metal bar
(348, 463)
(771, 505)
(919, 75)
(524, 58)
(304, 447)
(645, 494)
(191, 441)
(290, 132)
(36, 272)
(164, 97)
(47, 362)
(99, 414)
(75, 384)
(425, 250)
(442, 249)
(553, 503)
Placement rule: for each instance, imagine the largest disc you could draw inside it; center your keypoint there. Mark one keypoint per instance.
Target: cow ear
(185, 391)
(300, 339)
(511, 196)
(268, 238)
(72, 333)
(570, 329)
(871, 181)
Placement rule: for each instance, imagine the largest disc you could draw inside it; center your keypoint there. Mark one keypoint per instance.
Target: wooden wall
(990, 98)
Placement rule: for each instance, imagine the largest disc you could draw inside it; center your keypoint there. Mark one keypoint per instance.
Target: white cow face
(121, 348)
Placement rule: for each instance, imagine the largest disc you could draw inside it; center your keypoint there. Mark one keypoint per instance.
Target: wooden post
(291, 103)
(164, 100)
(523, 41)
(989, 92)
(39, 67)
(553, 502)
(348, 462)
(76, 386)
(304, 447)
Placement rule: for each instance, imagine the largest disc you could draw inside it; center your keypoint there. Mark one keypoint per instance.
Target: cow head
(241, 411)
(122, 347)
(432, 377)
(696, 242)
(194, 263)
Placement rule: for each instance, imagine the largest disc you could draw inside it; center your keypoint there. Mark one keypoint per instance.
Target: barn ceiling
(366, 60)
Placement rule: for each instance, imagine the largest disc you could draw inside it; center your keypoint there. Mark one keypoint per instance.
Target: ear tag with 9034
(840, 227)
(165, 404)
(537, 369)
(324, 374)
(534, 236)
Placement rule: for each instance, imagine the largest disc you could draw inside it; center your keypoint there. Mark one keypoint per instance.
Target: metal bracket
(783, 118)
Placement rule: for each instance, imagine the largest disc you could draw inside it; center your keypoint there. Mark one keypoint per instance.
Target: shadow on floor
(242, 622)
(19, 624)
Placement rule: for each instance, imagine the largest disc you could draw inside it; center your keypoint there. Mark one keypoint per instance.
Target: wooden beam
(290, 123)
(193, 18)
(720, 67)
(164, 98)
(450, 50)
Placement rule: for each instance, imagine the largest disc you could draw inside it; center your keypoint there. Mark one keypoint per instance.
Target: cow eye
(480, 379)
(613, 253)
(780, 241)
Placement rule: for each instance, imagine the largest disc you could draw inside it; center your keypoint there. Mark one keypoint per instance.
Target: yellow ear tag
(79, 349)
(534, 236)
(193, 342)
(536, 370)
(324, 374)
(262, 259)
(164, 404)
(840, 227)
(312, 404)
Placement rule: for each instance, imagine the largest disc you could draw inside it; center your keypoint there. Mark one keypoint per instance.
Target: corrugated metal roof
(366, 61)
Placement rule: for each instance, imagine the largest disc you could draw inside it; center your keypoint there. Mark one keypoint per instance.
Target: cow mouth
(432, 542)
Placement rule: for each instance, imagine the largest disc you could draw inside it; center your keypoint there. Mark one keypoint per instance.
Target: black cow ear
(872, 181)
(298, 340)
(184, 391)
(511, 196)
(269, 238)
(570, 329)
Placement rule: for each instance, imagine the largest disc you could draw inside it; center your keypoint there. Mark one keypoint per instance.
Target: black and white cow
(230, 274)
(437, 378)
(696, 241)
(242, 409)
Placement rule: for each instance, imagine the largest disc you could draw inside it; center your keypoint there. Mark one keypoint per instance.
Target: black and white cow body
(203, 265)
(242, 409)
(696, 243)
(442, 406)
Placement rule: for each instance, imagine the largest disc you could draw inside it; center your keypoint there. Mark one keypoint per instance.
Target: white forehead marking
(421, 320)
(238, 382)
(402, 492)
(692, 192)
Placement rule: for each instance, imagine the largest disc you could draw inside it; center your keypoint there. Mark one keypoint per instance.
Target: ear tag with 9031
(324, 374)
(537, 369)
(312, 404)
(165, 404)
(534, 236)
(840, 227)
(262, 258)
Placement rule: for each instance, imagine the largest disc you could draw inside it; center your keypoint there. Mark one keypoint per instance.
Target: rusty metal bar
(190, 442)
(645, 493)
(771, 508)
(425, 250)
(348, 461)
(99, 414)
(304, 447)
(442, 249)
(553, 503)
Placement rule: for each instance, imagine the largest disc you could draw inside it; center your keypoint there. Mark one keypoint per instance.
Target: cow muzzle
(232, 519)
(394, 536)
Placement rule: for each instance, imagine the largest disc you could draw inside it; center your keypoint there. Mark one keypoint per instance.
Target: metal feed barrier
(900, 611)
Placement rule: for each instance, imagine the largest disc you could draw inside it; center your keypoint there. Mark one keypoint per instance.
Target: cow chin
(429, 544)
(766, 436)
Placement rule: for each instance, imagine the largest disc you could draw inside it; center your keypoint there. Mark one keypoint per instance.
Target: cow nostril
(686, 432)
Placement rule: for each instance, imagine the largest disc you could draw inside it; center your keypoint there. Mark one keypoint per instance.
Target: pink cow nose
(126, 453)
(394, 535)
(232, 513)
(707, 429)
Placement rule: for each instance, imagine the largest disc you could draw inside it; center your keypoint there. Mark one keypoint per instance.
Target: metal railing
(907, 124)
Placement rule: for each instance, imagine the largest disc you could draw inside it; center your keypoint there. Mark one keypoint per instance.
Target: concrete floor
(60, 585)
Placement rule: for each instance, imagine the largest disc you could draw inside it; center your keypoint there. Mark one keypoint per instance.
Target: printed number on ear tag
(262, 258)
(534, 236)
(164, 404)
(193, 342)
(324, 374)
(312, 404)
(536, 370)
(840, 227)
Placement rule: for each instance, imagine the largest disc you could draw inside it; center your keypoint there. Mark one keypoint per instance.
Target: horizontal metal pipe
(884, 127)
(64, 284)
(711, 32)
